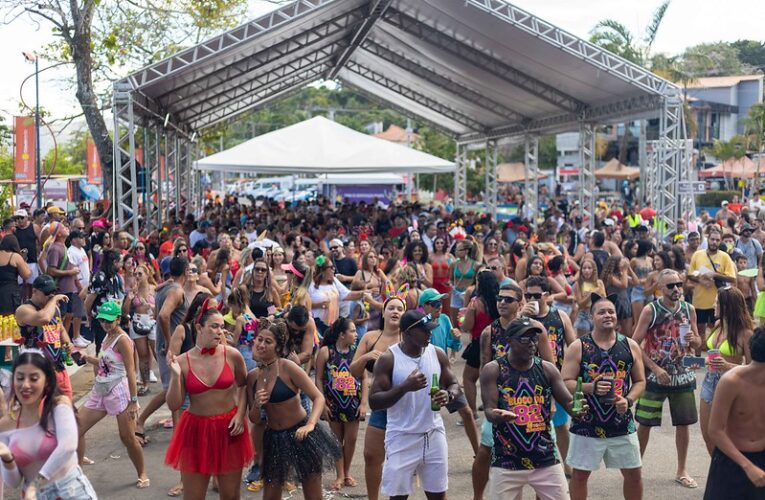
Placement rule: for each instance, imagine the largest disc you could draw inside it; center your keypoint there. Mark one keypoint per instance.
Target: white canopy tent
(321, 146)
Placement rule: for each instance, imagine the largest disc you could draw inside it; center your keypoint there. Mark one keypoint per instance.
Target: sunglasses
(140, 248)
(678, 285)
(194, 270)
(494, 268)
(435, 303)
(425, 319)
(506, 298)
(533, 296)
(183, 249)
(261, 269)
(528, 339)
(334, 248)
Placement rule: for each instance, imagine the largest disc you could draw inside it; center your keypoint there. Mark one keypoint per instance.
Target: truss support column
(531, 186)
(649, 192)
(171, 161)
(587, 172)
(460, 176)
(687, 173)
(642, 156)
(125, 186)
(184, 176)
(491, 178)
(669, 162)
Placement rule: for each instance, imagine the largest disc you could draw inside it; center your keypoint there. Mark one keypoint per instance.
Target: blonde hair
(149, 274)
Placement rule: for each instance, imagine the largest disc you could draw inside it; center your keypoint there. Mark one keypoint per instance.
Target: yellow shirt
(704, 296)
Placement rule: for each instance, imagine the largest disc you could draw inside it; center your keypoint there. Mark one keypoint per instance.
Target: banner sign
(95, 175)
(24, 139)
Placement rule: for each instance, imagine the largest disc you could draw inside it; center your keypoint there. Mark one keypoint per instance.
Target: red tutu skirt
(204, 445)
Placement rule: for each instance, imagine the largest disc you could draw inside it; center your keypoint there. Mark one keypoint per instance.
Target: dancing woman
(211, 438)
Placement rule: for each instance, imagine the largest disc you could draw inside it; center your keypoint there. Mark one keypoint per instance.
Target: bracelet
(8, 461)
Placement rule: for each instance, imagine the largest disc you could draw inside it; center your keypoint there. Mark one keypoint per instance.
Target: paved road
(113, 475)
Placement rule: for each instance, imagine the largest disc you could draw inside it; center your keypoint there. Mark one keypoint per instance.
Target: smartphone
(77, 357)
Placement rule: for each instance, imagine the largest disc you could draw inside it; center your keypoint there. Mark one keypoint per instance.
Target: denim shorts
(583, 321)
(457, 299)
(708, 386)
(637, 294)
(378, 419)
(73, 485)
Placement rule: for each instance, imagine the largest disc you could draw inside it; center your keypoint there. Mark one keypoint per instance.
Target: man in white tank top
(415, 439)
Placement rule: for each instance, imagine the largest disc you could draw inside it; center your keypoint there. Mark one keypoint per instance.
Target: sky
(687, 23)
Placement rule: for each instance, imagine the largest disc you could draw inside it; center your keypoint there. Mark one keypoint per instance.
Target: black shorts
(705, 316)
(727, 480)
(457, 403)
(472, 354)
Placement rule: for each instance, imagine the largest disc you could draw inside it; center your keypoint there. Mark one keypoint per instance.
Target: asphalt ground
(113, 476)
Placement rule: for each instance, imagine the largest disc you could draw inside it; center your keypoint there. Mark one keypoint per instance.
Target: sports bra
(725, 347)
(225, 380)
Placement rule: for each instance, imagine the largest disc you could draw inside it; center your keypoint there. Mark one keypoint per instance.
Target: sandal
(336, 485)
(143, 391)
(687, 482)
(142, 483)
(168, 424)
(255, 486)
(350, 482)
(175, 491)
(87, 461)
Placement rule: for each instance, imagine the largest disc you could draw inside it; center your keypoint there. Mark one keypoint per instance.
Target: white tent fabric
(321, 146)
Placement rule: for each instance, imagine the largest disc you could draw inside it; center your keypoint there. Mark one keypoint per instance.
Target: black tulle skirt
(286, 459)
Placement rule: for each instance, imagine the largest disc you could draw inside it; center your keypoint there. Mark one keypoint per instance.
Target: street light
(30, 57)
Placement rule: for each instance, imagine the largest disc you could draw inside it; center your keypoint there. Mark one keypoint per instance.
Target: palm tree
(754, 126)
(615, 37)
(673, 69)
(728, 150)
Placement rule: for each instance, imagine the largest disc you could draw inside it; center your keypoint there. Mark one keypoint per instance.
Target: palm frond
(653, 29)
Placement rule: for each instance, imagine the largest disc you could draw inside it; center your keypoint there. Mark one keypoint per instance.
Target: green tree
(754, 129)
(713, 59)
(751, 52)
(97, 35)
(617, 38)
(728, 150)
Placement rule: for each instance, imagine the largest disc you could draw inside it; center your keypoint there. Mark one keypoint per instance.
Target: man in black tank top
(560, 334)
(28, 238)
(611, 368)
(517, 390)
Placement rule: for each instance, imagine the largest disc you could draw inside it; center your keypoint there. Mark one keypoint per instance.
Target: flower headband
(321, 260)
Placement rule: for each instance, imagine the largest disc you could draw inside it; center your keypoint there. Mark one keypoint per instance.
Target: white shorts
(35, 273)
(423, 454)
(148, 321)
(586, 453)
(549, 483)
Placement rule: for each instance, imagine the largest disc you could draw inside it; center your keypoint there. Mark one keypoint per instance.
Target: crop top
(51, 454)
(225, 380)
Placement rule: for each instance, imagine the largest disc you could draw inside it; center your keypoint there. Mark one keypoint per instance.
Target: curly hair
(610, 268)
(409, 251)
(281, 333)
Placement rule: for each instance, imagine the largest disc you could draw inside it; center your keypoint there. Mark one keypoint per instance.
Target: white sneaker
(152, 377)
(81, 342)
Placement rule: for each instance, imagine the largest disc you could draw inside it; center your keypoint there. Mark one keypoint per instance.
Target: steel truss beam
(225, 42)
(230, 75)
(266, 93)
(531, 186)
(491, 178)
(651, 180)
(194, 108)
(687, 200)
(377, 10)
(460, 176)
(413, 95)
(399, 109)
(606, 113)
(150, 200)
(596, 56)
(126, 194)
(171, 160)
(587, 172)
(441, 81)
(482, 60)
(671, 149)
(183, 182)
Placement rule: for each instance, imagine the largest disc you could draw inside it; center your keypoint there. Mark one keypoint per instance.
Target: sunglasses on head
(425, 319)
(678, 285)
(533, 296)
(509, 299)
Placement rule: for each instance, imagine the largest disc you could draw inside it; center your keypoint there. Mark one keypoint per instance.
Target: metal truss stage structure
(482, 71)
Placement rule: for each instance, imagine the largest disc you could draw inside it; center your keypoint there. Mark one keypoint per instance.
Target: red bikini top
(224, 381)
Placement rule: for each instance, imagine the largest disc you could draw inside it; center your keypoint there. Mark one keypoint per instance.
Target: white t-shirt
(78, 257)
(322, 293)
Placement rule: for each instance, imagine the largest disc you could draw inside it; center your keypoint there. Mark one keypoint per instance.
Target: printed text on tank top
(555, 333)
(194, 385)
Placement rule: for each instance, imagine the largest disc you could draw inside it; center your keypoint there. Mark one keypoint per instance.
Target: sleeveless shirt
(662, 346)
(526, 443)
(602, 420)
(555, 333)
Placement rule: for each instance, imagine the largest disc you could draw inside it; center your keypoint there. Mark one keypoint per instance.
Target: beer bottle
(578, 397)
(434, 388)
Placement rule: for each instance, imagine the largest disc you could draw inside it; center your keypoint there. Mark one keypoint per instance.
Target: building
(720, 103)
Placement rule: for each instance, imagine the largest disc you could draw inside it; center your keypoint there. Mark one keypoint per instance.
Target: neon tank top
(602, 421)
(341, 389)
(557, 337)
(526, 443)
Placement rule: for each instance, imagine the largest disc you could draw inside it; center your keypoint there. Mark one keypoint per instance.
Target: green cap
(109, 311)
(429, 295)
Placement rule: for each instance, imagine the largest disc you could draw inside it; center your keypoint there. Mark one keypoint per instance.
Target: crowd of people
(272, 332)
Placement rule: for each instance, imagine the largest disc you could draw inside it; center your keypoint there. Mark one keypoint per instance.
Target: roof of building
(722, 81)
(397, 134)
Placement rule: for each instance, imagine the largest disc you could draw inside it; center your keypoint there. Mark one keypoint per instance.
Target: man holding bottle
(415, 439)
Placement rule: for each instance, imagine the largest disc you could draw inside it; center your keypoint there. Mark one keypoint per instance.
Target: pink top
(51, 454)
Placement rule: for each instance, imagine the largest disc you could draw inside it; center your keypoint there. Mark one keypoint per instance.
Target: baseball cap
(54, 210)
(417, 319)
(109, 311)
(608, 222)
(724, 203)
(336, 243)
(641, 227)
(746, 227)
(520, 326)
(429, 295)
(25, 205)
(45, 284)
(76, 234)
(20, 213)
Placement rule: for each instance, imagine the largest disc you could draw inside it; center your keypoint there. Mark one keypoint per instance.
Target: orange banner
(25, 150)
(95, 175)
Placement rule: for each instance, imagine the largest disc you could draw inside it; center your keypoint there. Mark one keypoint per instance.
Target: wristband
(133, 399)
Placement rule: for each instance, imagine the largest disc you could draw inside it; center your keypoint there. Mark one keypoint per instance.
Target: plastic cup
(610, 397)
(682, 332)
(712, 354)
(535, 305)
